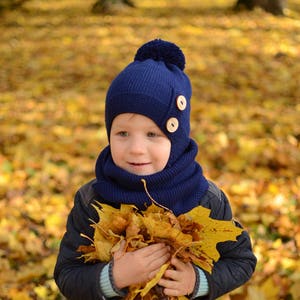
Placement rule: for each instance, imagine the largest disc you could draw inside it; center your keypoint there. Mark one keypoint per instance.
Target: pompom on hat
(155, 85)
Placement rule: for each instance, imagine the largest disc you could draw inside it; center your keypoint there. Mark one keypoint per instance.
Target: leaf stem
(155, 202)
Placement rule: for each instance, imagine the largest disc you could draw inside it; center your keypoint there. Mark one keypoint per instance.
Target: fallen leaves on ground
(57, 60)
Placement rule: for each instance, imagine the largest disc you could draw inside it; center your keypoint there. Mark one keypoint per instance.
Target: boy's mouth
(138, 164)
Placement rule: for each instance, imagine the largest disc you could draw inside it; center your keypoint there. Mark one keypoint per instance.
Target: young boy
(147, 117)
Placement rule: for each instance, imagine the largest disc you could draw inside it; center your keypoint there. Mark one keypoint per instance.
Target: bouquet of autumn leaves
(192, 236)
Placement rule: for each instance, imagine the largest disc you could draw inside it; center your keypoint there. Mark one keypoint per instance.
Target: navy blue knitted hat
(155, 85)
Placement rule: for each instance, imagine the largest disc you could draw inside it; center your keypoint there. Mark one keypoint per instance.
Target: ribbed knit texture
(203, 286)
(105, 283)
(179, 187)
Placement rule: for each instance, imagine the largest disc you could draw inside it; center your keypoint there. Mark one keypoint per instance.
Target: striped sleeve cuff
(202, 288)
(105, 283)
(107, 286)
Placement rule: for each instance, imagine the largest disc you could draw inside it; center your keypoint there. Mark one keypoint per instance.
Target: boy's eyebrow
(121, 124)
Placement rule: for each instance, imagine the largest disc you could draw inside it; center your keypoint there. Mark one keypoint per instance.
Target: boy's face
(138, 145)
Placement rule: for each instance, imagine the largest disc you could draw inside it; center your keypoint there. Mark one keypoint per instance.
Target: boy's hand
(138, 266)
(180, 281)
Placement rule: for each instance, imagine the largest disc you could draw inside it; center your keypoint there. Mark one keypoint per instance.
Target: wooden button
(181, 102)
(172, 125)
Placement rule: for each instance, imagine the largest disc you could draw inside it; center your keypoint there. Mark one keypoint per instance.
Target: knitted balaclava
(155, 85)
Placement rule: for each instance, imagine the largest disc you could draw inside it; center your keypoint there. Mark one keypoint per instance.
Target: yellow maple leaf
(193, 237)
(150, 284)
(162, 228)
(212, 232)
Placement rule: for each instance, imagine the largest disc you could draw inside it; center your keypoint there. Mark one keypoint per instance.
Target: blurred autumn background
(57, 59)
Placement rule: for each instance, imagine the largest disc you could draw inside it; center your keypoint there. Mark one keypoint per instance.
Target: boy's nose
(136, 146)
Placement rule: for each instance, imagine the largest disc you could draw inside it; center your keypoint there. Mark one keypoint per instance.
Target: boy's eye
(151, 134)
(123, 133)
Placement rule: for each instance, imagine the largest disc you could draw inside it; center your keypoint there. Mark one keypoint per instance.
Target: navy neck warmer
(179, 187)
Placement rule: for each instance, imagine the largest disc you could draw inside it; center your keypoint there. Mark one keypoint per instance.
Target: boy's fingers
(172, 274)
(119, 252)
(178, 264)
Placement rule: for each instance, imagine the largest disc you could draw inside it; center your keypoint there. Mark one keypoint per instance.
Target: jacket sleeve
(76, 279)
(237, 261)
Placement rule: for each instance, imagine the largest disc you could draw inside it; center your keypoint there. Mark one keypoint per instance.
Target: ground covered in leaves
(57, 60)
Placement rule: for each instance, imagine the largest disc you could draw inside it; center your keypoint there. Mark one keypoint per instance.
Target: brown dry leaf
(160, 227)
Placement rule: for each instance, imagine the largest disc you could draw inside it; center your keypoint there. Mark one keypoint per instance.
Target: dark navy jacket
(78, 280)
